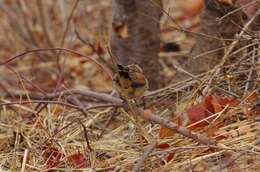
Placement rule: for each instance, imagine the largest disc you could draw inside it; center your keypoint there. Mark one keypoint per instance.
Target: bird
(130, 82)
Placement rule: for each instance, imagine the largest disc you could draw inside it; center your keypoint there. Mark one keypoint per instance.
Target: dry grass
(42, 132)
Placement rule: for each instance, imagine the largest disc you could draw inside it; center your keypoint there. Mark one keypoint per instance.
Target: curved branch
(105, 69)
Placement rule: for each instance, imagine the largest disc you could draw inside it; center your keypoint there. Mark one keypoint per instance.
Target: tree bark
(217, 32)
(135, 36)
(250, 12)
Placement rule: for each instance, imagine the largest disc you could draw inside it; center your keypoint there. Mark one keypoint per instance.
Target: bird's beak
(227, 2)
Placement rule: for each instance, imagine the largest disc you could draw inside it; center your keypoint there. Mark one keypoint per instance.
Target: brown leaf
(216, 104)
(197, 113)
(166, 132)
(78, 160)
(52, 157)
(200, 111)
(163, 146)
(170, 157)
(251, 97)
(254, 112)
(219, 103)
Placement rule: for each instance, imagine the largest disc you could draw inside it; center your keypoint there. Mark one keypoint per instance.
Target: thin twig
(43, 22)
(105, 69)
(253, 65)
(179, 129)
(87, 93)
(233, 158)
(235, 42)
(86, 135)
(41, 101)
(21, 5)
(68, 22)
(146, 153)
(236, 10)
(24, 159)
(215, 71)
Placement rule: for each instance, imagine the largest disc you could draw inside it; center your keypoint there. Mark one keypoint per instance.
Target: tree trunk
(226, 29)
(136, 36)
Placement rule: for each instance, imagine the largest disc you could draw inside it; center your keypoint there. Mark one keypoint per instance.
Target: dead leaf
(251, 97)
(166, 132)
(200, 111)
(78, 160)
(52, 157)
(163, 146)
(170, 157)
(219, 103)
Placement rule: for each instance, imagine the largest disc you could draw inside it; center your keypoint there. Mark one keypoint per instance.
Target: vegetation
(59, 61)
